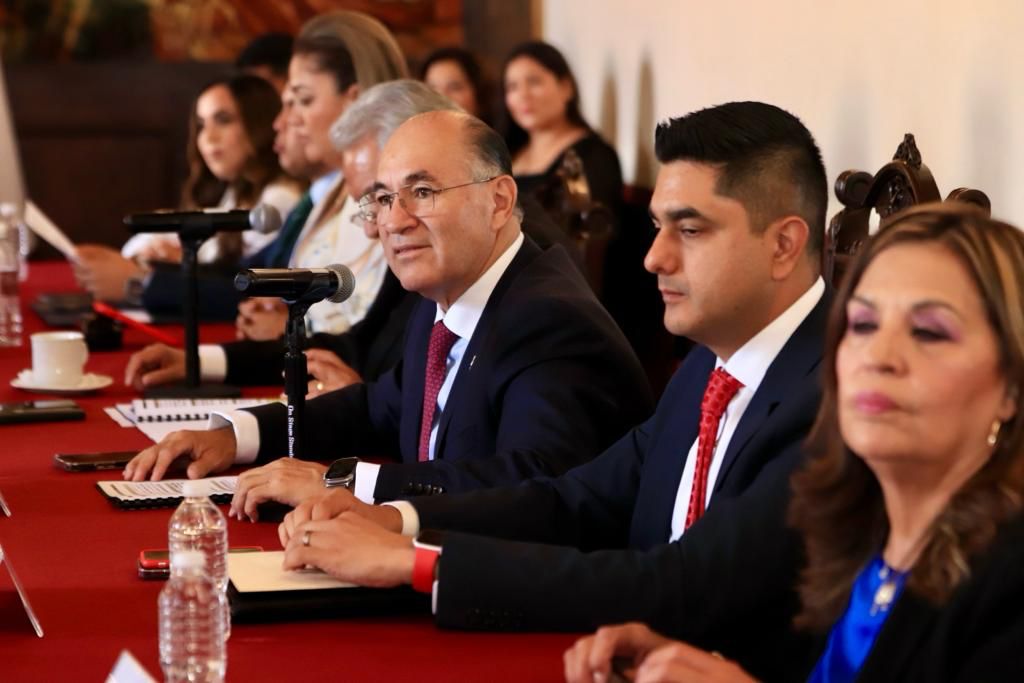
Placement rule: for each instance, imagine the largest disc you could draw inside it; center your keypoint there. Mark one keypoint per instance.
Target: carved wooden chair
(902, 182)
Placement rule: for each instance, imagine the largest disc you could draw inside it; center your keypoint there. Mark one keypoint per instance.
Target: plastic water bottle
(198, 524)
(10, 262)
(26, 243)
(191, 616)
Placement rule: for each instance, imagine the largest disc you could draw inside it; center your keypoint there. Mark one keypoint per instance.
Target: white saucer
(90, 382)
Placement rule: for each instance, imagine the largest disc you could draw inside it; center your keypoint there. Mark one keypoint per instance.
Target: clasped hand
(650, 657)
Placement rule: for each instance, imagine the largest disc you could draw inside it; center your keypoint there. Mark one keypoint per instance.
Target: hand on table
(103, 272)
(352, 548)
(209, 451)
(655, 658)
(286, 480)
(332, 503)
(153, 365)
(329, 372)
(261, 318)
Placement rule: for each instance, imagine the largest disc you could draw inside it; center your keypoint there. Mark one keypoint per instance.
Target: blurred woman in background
(232, 164)
(335, 57)
(543, 125)
(455, 73)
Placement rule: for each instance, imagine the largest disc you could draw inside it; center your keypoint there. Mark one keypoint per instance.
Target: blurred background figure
(455, 73)
(232, 164)
(547, 135)
(267, 56)
(910, 505)
(335, 57)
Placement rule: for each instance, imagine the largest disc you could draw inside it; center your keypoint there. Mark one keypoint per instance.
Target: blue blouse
(853, 635)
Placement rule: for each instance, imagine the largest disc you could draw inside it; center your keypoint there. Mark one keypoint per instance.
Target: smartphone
(40, 411)
(156, 564)
(87, 462)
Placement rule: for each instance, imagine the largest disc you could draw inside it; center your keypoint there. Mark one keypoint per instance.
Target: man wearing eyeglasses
(511, 368)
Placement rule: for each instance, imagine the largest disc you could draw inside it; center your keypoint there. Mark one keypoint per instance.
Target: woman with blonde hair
(335, 57)
(911, 504)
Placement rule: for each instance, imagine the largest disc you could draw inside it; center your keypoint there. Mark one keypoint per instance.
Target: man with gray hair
(511, 369)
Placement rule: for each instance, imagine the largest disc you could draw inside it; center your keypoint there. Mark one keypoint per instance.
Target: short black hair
(488, 147)
(273, 50)
(767, 160)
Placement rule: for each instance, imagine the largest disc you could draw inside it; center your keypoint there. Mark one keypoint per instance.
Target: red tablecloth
(76, 554)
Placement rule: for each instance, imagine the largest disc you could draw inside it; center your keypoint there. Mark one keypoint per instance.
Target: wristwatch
(341, 473)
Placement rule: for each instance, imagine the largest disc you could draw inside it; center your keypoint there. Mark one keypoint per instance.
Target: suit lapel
(798, 358)
(677, 427)
(414, 370)
(466, 375)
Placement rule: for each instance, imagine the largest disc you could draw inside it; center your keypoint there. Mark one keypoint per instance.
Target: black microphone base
(179, 390)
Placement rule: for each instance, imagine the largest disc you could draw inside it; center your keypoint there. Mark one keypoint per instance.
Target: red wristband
(423, 570)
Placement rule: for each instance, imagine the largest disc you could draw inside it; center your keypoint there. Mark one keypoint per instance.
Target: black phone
(40, 411)
(87, 462)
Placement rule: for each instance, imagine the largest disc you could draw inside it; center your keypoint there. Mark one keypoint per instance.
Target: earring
(993, 433)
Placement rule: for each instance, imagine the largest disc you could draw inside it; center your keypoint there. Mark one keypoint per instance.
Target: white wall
(858, 73)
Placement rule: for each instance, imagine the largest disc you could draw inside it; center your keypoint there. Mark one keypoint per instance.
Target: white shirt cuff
(410, 518)
(247, 432)
(366, 481)
(213, 363)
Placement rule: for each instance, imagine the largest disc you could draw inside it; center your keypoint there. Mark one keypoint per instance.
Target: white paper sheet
(41, 225)
(168, 488)
(262, 572)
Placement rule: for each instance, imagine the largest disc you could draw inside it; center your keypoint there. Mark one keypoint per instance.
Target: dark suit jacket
(547, 381)
(606, 524)
(976, 637)
(372, 346)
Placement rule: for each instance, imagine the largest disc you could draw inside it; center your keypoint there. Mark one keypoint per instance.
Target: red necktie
(720, 389)
(441, 341)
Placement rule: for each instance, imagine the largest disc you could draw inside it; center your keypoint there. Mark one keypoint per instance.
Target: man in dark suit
(374, 344)
(740, 206)
(511, 368)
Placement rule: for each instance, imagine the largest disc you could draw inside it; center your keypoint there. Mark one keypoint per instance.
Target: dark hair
(258, 104)
(837, 501)
(470, 67)
(768, 161)
(488, 147)
(332, 56)
(272, 50)
(552, 60)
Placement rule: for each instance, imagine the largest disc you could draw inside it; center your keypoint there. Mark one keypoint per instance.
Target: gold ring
(305, 537)
(319, 386)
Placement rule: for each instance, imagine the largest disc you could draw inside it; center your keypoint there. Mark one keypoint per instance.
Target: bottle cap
(187, 559)
(193, 488)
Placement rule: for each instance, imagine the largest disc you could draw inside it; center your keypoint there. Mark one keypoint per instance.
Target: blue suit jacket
(605, 525)
(547, 382)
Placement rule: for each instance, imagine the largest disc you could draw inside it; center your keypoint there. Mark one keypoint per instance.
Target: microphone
(263, 218)
(334, 283)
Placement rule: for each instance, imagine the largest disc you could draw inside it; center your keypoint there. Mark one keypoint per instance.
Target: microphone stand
(295, 372)
(192, 237)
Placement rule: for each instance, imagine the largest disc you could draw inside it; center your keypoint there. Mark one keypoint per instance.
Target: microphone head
(265, 219)
(346, 283)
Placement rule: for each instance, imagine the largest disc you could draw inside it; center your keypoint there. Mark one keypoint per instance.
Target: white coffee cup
(58, 359)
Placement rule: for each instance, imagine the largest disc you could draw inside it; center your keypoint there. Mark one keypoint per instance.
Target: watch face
(341, 472)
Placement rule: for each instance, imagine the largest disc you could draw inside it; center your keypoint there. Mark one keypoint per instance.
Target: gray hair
(380, 110)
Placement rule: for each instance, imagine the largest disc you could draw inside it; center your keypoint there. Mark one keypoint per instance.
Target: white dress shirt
(749, 365)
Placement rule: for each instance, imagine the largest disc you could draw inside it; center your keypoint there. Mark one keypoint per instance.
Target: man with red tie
(646, 531)
(511, 367)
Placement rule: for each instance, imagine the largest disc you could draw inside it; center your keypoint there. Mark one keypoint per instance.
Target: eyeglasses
(418, 199)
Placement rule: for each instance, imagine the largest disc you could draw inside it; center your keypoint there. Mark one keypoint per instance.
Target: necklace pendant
(883, 597)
